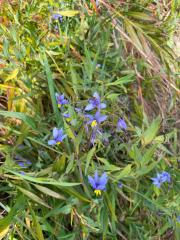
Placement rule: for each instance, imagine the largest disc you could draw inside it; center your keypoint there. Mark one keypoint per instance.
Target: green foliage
(125, 51)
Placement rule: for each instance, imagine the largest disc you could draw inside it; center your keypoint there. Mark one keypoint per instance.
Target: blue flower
(161, 178)
(178, 218)
(60, 99)
(165, 177)
(58, 136)
(157, 180)
(121, 125)
(22, 164)
(95, 102)
(120, 185)
(98, 183)
(57, 16)
(96, 119)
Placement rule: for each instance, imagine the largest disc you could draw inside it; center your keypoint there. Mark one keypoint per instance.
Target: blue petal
(102, 105)
(101, 187)
(96, 95)
(89, 107)
(103, 179)
(165, 177)
(63, 136)
(102, 118)
(60, 132)
(121, 124)
(55, 132)
(96, 177)
(21, 164)
(92, 182)
(64, 101)
(89, 116)
(61, 97)
(66, 115)
(51, 142)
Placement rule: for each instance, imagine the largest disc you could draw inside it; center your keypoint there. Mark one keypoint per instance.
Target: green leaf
(36, 226)
(88, 158)
(69, 131)
(49, 192)
(25, 118)
(47, 181)
(151, 132)
(147, 157)
(59, 164)
(59, 210)
(48, 72)
(124, 173)
(18, 206)
(123, 80)
(33, 197)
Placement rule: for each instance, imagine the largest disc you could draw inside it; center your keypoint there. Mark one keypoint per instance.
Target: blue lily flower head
(121, 125)
(22, 164)
(57, 16)
(161, 178)
(98, 183)
(95, 102)
(120, 185)
(157, 180)
(61, 99)
(178, 218)
(58, 136)
(22, 173)
(165, 177)
(96, 119)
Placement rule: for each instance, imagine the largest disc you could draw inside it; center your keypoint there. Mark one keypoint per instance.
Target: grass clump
(89, 120)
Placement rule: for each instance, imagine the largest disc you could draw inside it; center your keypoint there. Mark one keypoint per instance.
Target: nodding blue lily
(98, 183)
(61, 100)
(95, 102)
(96, 119)
(58, 136)
(161, 178)
(121, 125)
(57, 16)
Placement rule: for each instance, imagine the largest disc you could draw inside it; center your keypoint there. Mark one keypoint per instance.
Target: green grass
(125, 51)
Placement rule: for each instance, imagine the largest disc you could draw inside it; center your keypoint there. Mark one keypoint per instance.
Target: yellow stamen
(94, 123)
(58, 143)
(97, 192)
(59, 105)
